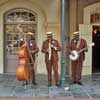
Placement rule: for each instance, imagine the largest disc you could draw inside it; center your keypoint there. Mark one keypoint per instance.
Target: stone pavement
(10, 87)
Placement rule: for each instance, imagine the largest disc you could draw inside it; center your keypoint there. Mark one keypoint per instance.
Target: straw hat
(29, 33)
(49, 33)
(76, 33)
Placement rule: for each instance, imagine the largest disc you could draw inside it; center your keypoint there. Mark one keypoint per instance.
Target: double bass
(23, 72)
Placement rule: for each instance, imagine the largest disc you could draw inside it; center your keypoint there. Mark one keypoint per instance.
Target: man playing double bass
(33, 50)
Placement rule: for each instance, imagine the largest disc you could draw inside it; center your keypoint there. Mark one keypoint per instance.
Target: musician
(51, 47)
(33, 50)
(77, 43)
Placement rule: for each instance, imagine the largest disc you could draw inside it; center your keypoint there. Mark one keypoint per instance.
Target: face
(76, 37)
(29, 37)
(49, 37)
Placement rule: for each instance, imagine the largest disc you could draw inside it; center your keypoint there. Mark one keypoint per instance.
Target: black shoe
(74, 82)
(58, 85)
(80, 83)
(34, 83)
(25, 83)
(49, 85)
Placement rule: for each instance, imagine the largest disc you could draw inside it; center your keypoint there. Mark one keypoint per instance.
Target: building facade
(35, 16)
(40, 16)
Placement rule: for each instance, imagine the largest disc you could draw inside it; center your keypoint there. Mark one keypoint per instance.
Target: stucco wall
(80, 9)
(47, 21)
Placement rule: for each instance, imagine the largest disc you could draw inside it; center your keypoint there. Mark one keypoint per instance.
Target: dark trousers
(76, 70)
(49, 66)
(32, 72)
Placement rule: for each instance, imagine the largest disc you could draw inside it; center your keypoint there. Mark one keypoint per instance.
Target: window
(28, 21)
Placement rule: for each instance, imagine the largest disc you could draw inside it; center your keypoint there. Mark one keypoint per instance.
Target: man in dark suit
(51, 47)
(33, 50)
(77, 44)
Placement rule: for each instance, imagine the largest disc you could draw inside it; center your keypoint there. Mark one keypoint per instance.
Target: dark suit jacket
(32, 47)
(54, 52)
(82, 45)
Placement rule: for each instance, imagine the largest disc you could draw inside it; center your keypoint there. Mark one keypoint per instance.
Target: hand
(54, 47)
(72, 54)
(48, 50)
(32, 51)
(24, 45)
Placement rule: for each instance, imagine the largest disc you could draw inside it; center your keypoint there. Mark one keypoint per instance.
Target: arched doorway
(28, 21)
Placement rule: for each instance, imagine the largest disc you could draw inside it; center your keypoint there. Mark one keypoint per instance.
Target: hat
(76, 33)
(30, 33)
(49, 33)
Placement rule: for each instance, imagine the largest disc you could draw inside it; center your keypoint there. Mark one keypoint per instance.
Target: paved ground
(10, 87)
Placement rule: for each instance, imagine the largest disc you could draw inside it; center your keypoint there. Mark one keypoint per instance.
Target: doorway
(28, 21)
(96, 50)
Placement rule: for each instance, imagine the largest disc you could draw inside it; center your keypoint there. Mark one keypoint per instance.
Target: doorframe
(4, 35)
(96, 24)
